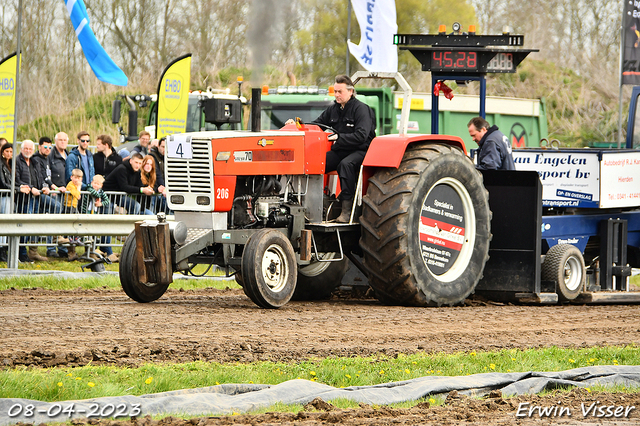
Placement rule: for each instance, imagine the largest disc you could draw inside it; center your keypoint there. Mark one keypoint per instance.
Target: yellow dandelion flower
(414, 363)
(472, 353)
(250, 381)
(235, 414)
(348, 376)
(149, 380)
(588, 390)
(381, 372)
(615, 361)
(217, 383)
(406, 370)
(357, 375)
(91, 384)
(513, 359)
(492, 366)
(78, 378)
(69, 375)
(59, 384)
(432, 401)
(313, 373)
(572, 361)
(592, 360)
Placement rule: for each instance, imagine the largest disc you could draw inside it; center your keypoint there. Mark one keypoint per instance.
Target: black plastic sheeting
(241, 398)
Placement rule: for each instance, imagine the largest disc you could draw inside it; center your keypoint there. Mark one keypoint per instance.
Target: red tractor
(256, 203)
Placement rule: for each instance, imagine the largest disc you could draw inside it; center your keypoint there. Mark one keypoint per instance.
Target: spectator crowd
(51, 179)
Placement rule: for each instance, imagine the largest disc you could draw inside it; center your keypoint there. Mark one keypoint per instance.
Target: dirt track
(49, 328)
(39, 327)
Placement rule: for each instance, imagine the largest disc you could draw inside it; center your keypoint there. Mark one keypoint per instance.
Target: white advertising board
(620, 179)
(569, 178)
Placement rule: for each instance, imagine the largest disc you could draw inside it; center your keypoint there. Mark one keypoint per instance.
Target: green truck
(523, 120)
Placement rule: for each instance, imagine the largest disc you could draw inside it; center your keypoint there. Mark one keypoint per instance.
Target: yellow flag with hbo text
(7, 96)
(173, 97)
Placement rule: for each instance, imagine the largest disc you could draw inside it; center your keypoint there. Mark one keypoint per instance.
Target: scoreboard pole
(435, 100)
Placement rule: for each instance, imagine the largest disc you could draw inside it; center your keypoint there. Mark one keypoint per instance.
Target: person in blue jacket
(494, 149)
(81, 158)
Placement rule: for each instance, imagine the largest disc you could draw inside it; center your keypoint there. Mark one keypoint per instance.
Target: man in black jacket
(58, 162)
(494, 149)
(105, 159)
(126, 178)
(356, 126)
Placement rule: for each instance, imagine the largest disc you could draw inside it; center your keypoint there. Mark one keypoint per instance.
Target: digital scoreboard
(465, 54)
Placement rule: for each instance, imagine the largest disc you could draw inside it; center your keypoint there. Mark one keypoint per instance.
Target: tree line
(263, 40)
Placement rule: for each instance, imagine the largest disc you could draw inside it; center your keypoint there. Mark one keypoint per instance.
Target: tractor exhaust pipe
(256, 109)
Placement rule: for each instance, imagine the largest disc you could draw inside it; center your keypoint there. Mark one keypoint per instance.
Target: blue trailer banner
(631, 43)
(569, 178)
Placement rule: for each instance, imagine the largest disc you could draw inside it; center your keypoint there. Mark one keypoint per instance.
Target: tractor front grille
(193, 175)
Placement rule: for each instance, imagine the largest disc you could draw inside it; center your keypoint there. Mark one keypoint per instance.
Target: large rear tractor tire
(564, 264)
(269, 269)
(317, 280)
(129, 278)
(426, 228)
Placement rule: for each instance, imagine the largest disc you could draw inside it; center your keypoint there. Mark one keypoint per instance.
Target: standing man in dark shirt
(58, 162)
(494, 149)
(105, 159)
(356, 126)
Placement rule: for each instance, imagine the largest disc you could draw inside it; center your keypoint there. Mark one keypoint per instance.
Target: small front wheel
(565, 265)
(129, 275)
(269, 269)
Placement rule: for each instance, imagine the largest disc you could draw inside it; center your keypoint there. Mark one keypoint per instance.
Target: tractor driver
(355, 123)
(494, 149)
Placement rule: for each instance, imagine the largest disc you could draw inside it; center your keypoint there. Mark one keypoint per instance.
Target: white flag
(377, 19)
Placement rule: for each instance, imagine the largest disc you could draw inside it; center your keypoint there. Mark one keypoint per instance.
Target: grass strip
(59, 384)
(59, 282)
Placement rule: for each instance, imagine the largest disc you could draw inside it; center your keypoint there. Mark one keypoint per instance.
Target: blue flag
(102, 65)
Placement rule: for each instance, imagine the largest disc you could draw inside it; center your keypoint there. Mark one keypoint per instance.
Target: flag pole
(12, 252)
(348, 32)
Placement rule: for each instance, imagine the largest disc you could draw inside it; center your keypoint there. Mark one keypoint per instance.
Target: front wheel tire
(129, 278)
(269, 269)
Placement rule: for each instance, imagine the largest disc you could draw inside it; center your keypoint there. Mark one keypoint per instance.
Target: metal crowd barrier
(41, 217)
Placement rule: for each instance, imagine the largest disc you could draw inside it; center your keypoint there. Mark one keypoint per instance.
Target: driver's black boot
(347, 205)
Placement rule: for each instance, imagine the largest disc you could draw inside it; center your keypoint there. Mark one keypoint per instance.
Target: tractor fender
(388, 150)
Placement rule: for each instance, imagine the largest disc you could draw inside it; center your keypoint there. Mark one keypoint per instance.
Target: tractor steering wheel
(325, 128)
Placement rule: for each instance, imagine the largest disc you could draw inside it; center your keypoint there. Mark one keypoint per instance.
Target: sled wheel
(564, 264)
(317, 280)
(129, 280)
(426, 228)
(269, 269)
